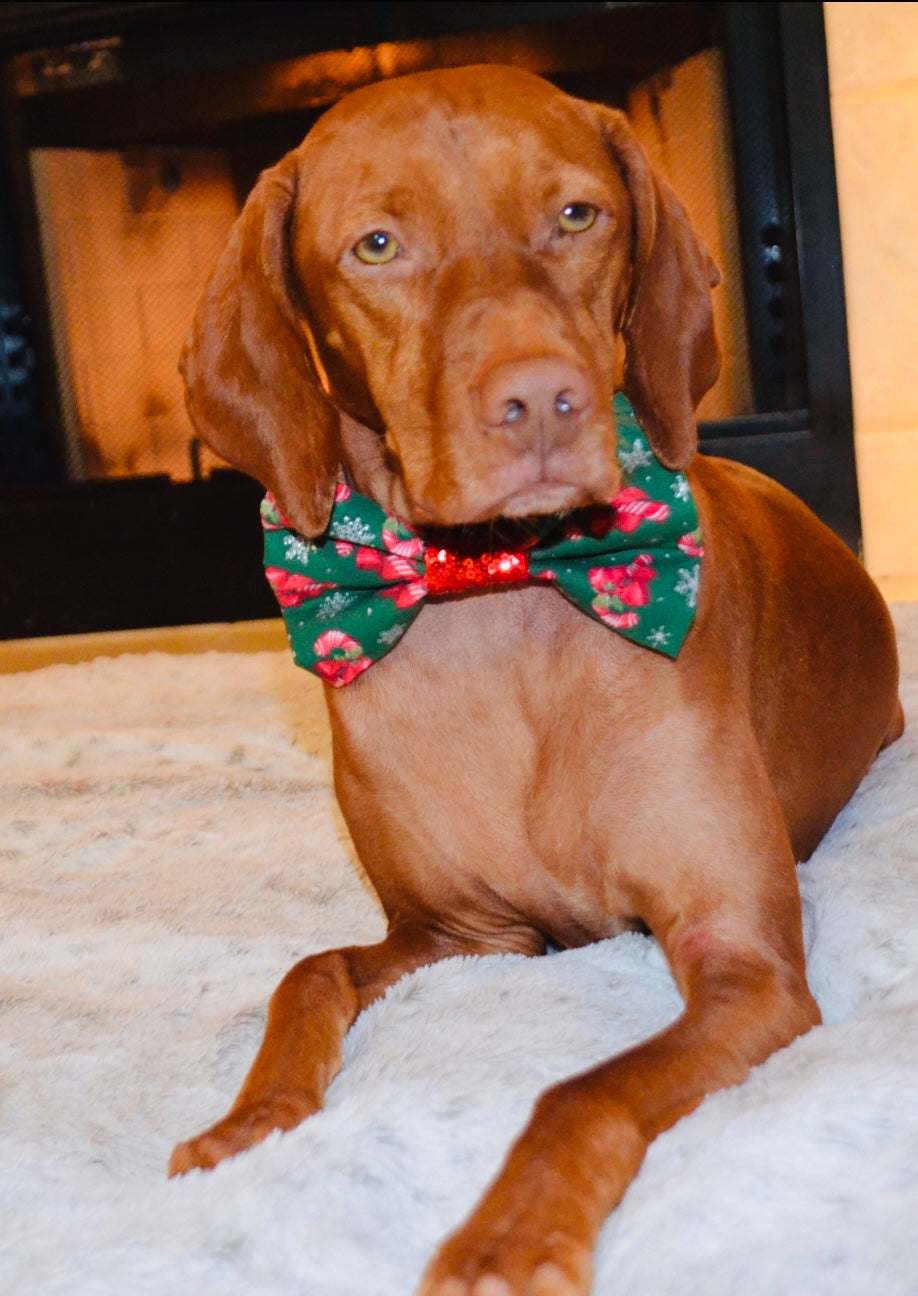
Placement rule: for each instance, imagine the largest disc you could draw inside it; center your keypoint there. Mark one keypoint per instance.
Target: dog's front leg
(535, 1230)
(310, 1013)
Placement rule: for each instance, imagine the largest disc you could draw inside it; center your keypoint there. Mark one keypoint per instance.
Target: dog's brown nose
(541, 398)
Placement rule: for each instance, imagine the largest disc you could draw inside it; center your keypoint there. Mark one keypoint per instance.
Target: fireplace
(133, 133)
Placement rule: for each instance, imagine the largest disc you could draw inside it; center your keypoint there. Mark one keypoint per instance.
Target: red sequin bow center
(451, 573)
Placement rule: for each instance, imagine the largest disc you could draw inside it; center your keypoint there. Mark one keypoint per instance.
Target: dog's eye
(577, 217)
(376, 248)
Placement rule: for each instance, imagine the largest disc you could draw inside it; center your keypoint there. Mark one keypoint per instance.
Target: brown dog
(434, 298)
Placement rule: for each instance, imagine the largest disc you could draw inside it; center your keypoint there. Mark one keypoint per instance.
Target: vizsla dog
(423, 313)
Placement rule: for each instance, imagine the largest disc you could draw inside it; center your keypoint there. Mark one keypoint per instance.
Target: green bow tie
(633, 565)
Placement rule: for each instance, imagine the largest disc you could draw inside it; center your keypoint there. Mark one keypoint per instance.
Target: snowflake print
(332, 604)
(390, 636)
(638, 456)
(680, 488)
(658, 637)
(687, 585)
(296, 549)
(351, 528)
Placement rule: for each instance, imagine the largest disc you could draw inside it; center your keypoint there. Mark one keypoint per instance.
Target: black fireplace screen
(134, 132)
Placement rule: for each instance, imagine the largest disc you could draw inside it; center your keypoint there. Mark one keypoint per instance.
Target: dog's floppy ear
(251, 387)
(671, 355)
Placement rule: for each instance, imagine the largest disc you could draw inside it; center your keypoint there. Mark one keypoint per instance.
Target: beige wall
(873, 72)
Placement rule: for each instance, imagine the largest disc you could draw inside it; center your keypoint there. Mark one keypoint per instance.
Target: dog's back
(808, 646)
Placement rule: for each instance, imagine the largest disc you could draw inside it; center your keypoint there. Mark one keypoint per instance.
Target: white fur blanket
(169, 846)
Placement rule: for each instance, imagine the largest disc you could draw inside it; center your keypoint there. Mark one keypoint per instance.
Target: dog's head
(438, 292)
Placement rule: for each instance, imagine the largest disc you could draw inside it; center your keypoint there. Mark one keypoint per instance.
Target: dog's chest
(475, 762)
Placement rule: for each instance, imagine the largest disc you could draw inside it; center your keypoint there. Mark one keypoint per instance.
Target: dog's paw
(482, 1261)
(240, 1130)
(546, 1280)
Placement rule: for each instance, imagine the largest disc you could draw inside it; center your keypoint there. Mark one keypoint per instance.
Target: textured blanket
(170, 845)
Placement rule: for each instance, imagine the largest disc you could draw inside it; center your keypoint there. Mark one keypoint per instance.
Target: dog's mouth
(510, 522)
(482, 484)
(473, 539)
(544, 497)
(520, 501)
(519, 512)
(515, 534)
